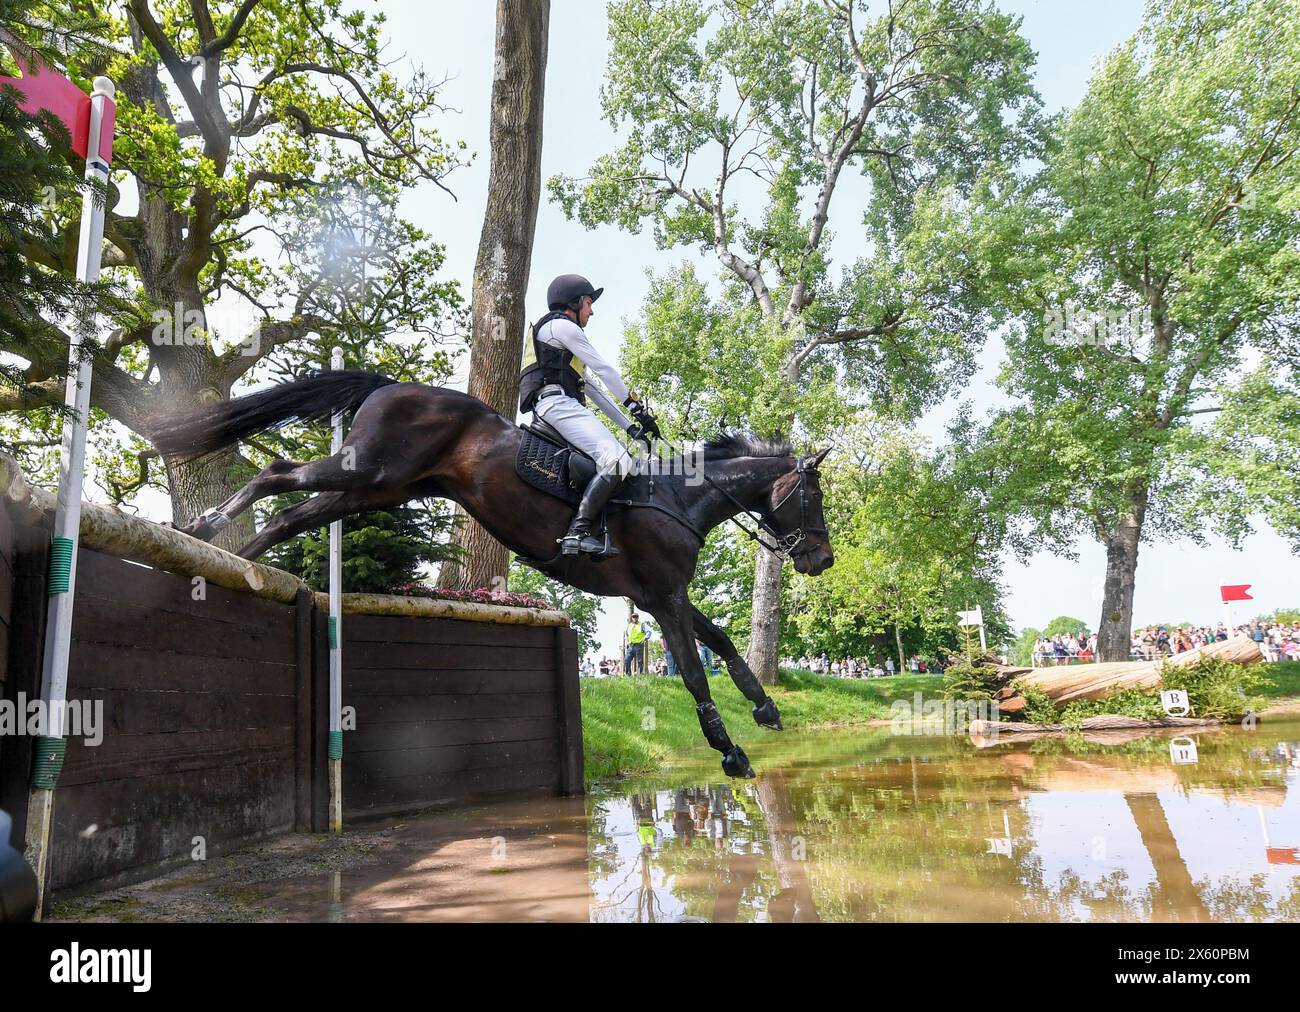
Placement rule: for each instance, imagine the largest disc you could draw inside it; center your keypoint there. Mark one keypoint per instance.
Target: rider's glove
(636, 432)
(645, 421)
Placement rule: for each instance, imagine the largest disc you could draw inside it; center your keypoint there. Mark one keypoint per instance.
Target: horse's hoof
(736, 764)
(199, 529)
(768, 715)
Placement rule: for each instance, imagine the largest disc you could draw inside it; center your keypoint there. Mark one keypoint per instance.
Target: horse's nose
(827, 560)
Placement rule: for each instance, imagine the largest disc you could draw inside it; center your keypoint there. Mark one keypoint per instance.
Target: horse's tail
(312, 398)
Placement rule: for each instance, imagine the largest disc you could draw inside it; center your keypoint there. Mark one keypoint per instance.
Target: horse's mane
(726, 445)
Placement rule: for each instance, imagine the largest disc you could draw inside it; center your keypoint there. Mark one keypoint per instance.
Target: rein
(782, 546)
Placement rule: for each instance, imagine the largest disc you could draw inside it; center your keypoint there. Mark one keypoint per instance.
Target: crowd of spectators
(1278, 641)
(861, 667)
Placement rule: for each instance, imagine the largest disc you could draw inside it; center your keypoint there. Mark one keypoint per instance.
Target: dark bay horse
(410, 441)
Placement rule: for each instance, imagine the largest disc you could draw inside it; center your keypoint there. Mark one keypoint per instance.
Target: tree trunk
(505, 251)
(198, 485)
(898, 640)
(1115, 630)
(765, 618)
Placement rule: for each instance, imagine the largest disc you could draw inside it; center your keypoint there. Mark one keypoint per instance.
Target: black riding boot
(579, 538)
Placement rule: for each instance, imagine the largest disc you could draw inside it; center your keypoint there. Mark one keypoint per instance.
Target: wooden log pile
(1066, 683)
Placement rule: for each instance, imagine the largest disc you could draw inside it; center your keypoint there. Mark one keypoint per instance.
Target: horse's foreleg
(765, 711)
(315, 512)
(675, 619)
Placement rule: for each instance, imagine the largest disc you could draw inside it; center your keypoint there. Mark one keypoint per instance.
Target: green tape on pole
(61, 550)
(336, 745)
(334, 633)
(49, 761)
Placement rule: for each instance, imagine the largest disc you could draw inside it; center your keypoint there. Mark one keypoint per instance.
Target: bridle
(783, 546)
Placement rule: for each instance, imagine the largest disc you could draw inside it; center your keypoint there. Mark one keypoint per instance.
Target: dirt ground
(524, 861)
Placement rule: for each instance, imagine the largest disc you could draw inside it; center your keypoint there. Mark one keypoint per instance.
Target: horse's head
(795, 512)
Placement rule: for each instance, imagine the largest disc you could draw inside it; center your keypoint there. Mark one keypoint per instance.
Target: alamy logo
(102, 966)
(76, 718)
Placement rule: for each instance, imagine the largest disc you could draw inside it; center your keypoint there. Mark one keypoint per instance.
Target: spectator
(636, 636)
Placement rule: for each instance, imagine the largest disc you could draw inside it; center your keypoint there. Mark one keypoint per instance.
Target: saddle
(547, 462)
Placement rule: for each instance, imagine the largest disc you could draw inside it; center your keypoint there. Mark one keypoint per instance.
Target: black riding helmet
(566, 292)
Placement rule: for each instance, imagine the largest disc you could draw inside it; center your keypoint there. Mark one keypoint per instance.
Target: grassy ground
(636, 725)
(1281, 680)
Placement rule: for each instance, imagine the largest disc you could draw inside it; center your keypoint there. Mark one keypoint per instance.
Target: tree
(1160, 249)
(908, 554)
(1022, 650)
(1064, 625)
(233, 118)
(37, 170)
(383, 551)
(772, 103)
(583, 609)
(505, 249)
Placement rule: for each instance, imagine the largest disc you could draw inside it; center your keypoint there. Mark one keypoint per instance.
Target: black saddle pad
(557, 470)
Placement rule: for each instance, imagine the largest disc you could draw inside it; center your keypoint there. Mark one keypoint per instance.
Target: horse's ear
(817, 458)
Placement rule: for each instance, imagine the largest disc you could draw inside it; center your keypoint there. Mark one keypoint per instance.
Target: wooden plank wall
(215, 713)
(200, 707)
(26, 550)
(448, 710)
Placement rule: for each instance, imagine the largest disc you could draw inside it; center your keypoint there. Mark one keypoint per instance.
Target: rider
(552, 385)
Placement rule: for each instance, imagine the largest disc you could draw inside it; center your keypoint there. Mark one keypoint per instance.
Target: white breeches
(583, 429)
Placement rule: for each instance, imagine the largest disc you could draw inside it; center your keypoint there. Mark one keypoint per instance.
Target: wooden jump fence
(214, 697)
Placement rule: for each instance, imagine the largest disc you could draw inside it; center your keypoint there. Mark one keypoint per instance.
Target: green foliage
(1131, 703)
(583, 609)
(908, 549)
(1064, 625)
(38, 175)
(966, 680)
(1168, 197)
(382, 550)
(269, 183)
(1022, 650)
(1215, 688)
(1039, 709)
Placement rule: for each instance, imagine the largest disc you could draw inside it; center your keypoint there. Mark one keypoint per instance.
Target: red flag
(1236, 592)
(1283, 855)
(42, 88)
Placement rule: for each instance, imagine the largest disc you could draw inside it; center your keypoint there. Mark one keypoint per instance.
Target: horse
(412, 441)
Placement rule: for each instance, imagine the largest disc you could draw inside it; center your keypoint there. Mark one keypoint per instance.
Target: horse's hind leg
(765, 711)
(675, 619)
(340, 472)
(317, 511)
(205, 527)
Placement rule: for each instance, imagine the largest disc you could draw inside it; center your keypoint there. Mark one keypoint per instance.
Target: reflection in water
(870, 826)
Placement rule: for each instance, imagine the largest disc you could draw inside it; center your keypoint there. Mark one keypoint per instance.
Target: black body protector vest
(544, 365)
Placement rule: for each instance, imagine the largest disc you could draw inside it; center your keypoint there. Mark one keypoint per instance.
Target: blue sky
(1175, 581)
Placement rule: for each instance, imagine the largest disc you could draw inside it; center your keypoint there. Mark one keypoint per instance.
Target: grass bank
(1281, 681)
(636, 725)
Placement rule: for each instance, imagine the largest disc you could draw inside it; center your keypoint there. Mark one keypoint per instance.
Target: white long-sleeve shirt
(565, 333)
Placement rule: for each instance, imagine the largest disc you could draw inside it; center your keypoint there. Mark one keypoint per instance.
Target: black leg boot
(734, 761)
(594, 497)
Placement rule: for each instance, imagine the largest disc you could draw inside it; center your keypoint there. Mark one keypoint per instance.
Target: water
(868, 826)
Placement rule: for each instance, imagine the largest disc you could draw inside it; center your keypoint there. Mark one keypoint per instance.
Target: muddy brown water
(861, 825)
